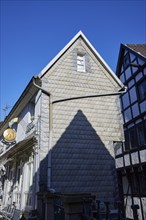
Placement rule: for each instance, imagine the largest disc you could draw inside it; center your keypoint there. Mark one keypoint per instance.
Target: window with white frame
(29, 181)
(18, 184)
(80, 63)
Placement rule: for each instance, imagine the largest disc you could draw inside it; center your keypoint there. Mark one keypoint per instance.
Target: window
(142, 181)
(141, 135)
(32, 108)
(135, 136)
(126, 140)
(137, 181)
(29, 181)
(81, 63)
(142, 90)
(132, 138)
(134, 182)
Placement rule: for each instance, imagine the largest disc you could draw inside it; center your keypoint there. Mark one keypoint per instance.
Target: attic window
(80, 63)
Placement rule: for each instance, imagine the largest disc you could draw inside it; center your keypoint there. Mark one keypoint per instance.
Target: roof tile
(139, 48)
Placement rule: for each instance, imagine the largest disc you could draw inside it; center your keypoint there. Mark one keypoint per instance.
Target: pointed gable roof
(71, 42)
(137, 49)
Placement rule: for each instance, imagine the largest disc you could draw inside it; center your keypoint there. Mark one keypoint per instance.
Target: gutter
(20, 104)
(91, 96)
(51, 102)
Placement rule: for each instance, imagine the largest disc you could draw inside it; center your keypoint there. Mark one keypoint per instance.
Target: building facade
(131, 157)
(66, 122)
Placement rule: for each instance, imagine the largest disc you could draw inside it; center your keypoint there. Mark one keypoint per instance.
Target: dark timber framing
(131, 69)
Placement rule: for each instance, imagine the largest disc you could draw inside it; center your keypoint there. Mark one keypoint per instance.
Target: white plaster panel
(144, 206)
(134, 157)
(143, 156)
(127, 160)
(119, 162)
(128, 202)
(137, 202)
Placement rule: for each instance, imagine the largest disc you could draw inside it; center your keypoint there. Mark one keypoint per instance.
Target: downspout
(50, 132)
(51, 102)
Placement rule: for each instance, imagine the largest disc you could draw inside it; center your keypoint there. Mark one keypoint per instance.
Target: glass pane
(132, 57)
(80, 68)
(134, 65)
(134, 183)
(140, 134)
(141, 62)
(142, 90)
(127, 115)
(128, 72)
(134, 69)
(135, 110)
(80, 62)
(142, 181)
(138, 76)
(132, 138)
(143, 106)
(126, 61)
(122, 78)
(126, 141)
(133, 95)
(125, 52)
(126, 100)
(131, 83)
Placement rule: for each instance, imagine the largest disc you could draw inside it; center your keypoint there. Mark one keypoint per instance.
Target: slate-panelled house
(66, 122)
(131, 158)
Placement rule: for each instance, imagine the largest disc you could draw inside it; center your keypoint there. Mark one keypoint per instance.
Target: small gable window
(80, 63)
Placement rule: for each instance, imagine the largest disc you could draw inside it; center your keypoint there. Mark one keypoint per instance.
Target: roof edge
(20, 99)
(48, 66)
(80, 34)
(122, 48)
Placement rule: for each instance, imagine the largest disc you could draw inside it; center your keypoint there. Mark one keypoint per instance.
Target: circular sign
(9, 135)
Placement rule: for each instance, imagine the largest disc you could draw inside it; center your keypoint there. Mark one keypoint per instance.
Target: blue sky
(34, 31)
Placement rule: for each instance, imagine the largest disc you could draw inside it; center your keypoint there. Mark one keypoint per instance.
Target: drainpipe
(50, 132)
(51, 102)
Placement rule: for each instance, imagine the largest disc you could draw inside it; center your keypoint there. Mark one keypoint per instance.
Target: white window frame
(28, 183)
(81, 63)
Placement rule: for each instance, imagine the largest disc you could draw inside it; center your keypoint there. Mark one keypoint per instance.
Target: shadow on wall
(81, 163)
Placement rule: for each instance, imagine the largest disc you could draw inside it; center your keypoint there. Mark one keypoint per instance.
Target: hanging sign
(9, 135)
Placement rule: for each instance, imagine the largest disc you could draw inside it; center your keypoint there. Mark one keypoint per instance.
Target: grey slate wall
(83, 130)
